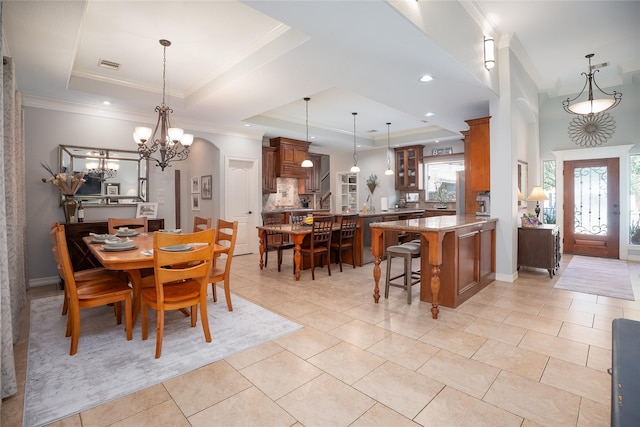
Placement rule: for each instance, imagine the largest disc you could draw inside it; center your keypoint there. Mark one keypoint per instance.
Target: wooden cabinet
(468, 264)
(408, 167)
(269, 181)
(477, 166)
(289, 156)
(539, 247)
(439, 212)
(311, 184)
(81, 257)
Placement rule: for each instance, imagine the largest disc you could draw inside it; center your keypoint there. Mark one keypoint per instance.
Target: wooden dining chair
(180, 281)
(226, 234)
(319, 242)
(200, 223)
(346, 238)
(81, 276)
(296, 217)
(140, 224)
(94, 292)
(275, 240)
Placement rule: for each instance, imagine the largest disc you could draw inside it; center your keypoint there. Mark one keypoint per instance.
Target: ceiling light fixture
(591, 106)
(489, 55)
(306, 163)
(101, 168)
(354, 168)
(172, 143)
(389, 171)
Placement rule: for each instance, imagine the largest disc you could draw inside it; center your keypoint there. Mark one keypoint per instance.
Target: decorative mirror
(113, 177)
(523, 189)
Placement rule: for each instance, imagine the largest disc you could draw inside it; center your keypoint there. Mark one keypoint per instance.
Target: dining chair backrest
(321, 231)
(226, 234)
(171, 266)
(273, 219)
(348, 226)
(200, 223)
(140, 224)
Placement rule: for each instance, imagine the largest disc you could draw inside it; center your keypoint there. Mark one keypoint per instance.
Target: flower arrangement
(530, 219)
(66, 184)
(372, 182)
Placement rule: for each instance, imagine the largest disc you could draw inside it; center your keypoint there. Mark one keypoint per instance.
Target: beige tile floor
(516, 354)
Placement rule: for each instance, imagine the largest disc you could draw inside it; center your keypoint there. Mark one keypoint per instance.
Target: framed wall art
(148, 209)
(205, 187)
(112, 189)
(195, 202)
(195, 184)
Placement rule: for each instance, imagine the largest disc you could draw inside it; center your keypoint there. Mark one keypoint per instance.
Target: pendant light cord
(355, 162)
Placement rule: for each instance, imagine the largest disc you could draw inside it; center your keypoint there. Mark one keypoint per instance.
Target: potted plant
(372, 182)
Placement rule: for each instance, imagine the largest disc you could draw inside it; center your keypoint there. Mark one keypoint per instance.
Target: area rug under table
(597, 276)
(107, 366)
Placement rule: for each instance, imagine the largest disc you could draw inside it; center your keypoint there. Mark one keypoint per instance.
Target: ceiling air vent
(109, 64)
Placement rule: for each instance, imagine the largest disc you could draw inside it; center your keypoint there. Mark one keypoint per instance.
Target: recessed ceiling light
(430, 114)
(312, 137)
(426, 78)
(106, 102)
(247, 125)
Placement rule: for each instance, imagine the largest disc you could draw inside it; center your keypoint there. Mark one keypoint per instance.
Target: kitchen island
(457, 256)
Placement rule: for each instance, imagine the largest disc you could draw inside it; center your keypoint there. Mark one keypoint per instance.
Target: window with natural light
(440, 180)
(634, 200)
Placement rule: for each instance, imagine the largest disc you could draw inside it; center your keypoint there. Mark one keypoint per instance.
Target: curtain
(12, 223)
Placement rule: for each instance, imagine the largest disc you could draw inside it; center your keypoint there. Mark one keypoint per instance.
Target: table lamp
(537, 195)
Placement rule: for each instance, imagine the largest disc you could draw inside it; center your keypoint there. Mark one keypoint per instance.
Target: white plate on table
(101, 238)
(147, 252)
(128, 233)
(177, 248)
(119, 247)
(175, 231)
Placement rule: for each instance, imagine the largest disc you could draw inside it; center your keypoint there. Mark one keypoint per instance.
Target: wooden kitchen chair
(226, 234)
(200, 223)
(81, 276)
(274, 240)
(92, 293)
(346, 238)
(319, 242)
(180, 281)
(141, 225)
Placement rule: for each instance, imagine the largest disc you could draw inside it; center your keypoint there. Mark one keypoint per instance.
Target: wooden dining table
(297, 233)
(133, 261)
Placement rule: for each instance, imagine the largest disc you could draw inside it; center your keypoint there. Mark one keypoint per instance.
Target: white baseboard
(44, 281)
(510, 278)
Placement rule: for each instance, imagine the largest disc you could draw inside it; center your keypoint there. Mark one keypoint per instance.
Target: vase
(372, 187)
(69, 206)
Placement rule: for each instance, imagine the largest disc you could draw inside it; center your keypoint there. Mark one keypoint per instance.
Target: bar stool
(407, 251)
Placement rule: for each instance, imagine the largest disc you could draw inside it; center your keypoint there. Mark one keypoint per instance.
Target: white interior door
(240, 202)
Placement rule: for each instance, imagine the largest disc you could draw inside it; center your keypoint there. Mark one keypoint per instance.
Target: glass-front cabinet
(408, 162)
(348, 191)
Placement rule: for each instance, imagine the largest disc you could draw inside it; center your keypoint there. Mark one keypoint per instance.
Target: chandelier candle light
(172, 143)
(591, 106)
(354, 168)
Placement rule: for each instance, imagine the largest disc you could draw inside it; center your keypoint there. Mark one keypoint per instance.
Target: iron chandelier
(591, 106)
(172, 143)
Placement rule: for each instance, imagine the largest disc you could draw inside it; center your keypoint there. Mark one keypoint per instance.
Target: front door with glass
(592, 207)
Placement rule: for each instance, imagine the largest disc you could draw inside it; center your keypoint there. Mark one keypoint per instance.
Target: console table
(539, 247)
(81, 257)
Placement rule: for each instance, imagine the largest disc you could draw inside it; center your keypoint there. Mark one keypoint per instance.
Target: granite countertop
(435, 223)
